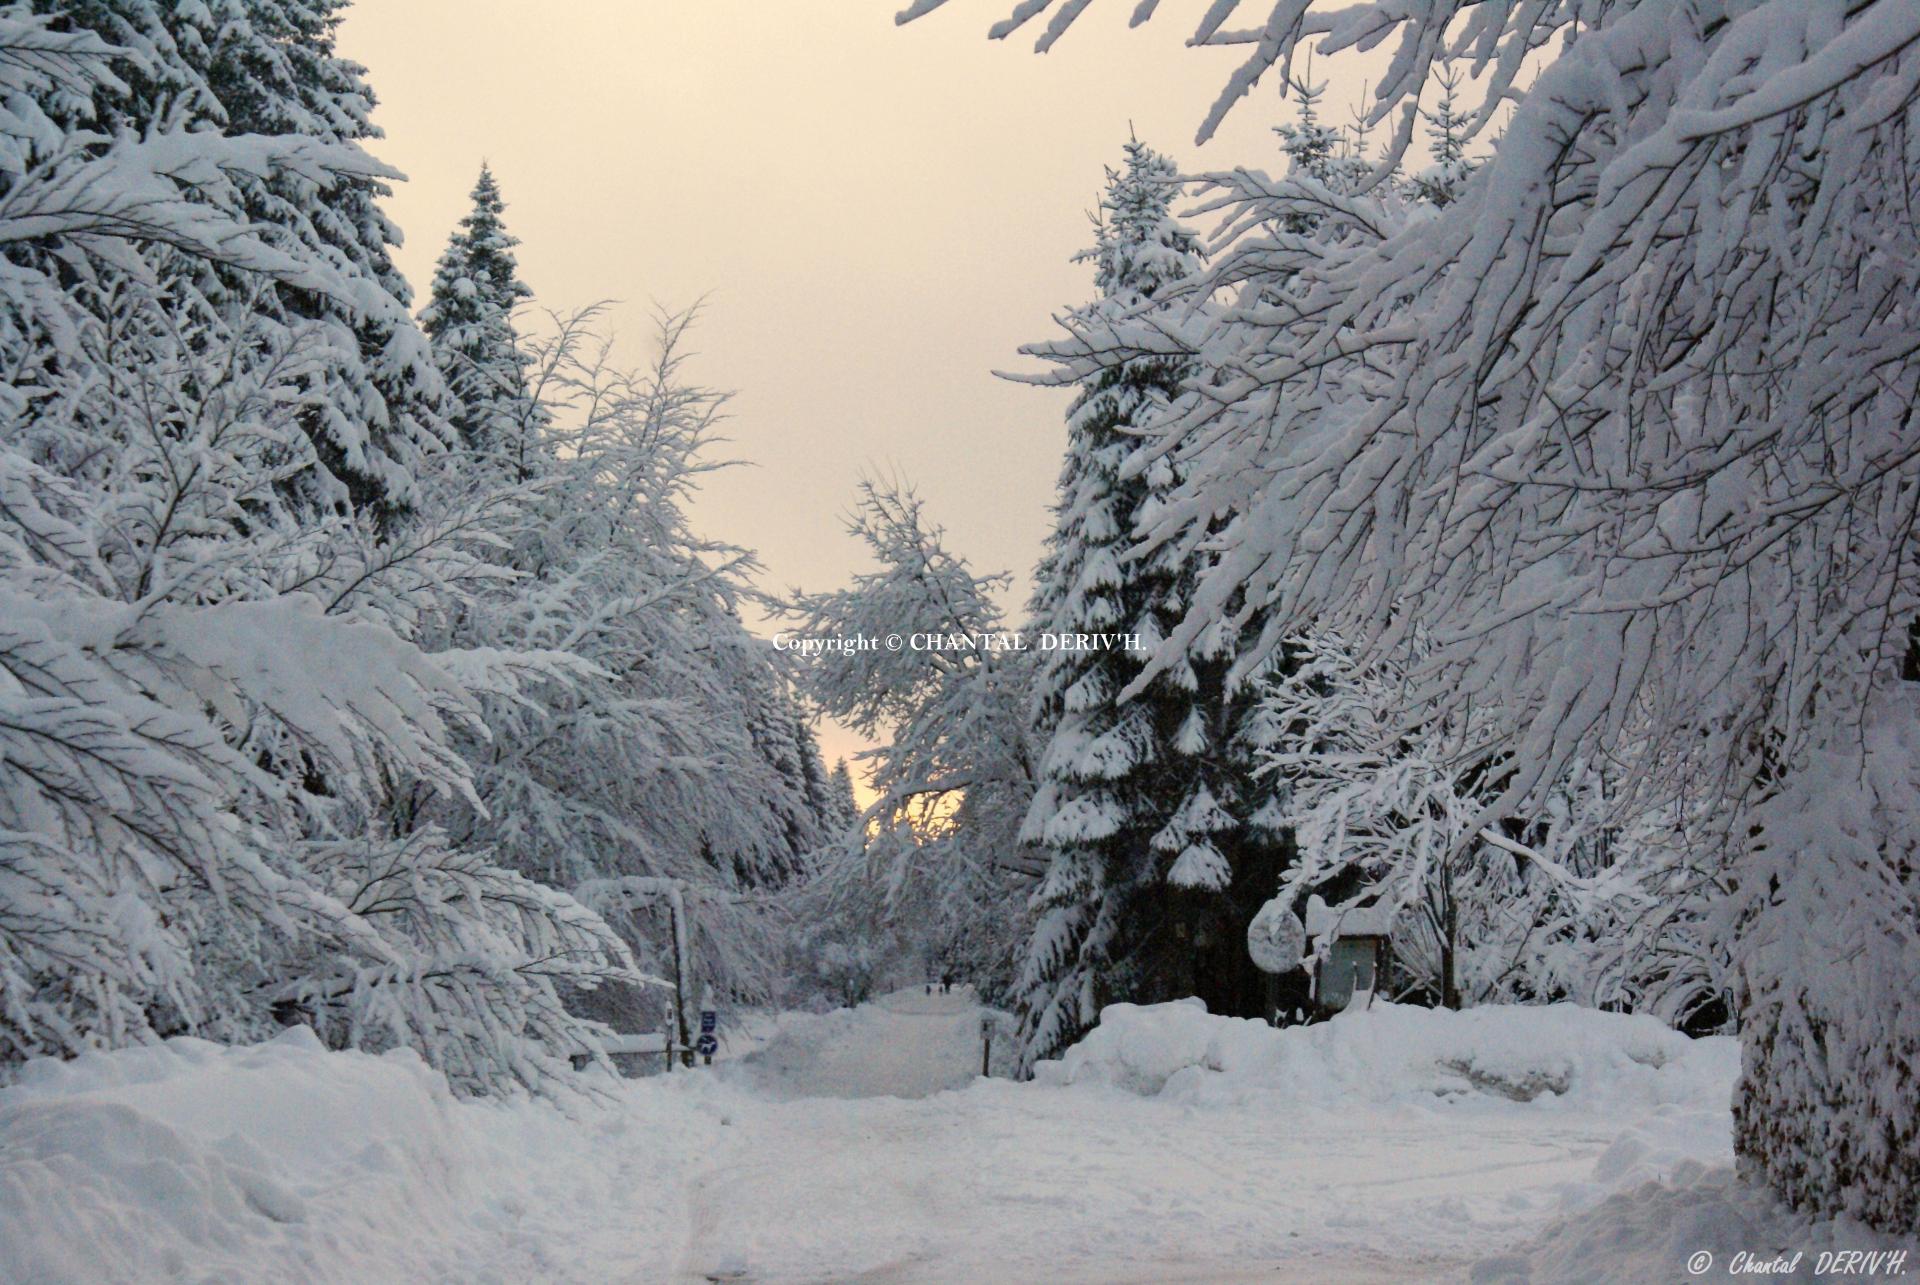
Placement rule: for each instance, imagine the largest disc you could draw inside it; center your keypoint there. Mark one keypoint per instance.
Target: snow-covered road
(863, 1146)
(1005, 1181)
(1011, 1182)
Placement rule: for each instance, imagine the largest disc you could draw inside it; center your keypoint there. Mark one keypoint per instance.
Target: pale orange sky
(879, 217)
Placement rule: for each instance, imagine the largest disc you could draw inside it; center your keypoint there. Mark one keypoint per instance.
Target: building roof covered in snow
(1348, 921)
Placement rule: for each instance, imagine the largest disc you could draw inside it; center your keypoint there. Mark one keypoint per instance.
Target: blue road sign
(709, 1021)
(706, 1046)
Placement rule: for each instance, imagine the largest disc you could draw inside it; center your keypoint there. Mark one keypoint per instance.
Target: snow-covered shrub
(1576, 902)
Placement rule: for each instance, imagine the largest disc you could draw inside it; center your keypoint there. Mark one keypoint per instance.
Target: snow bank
(1662, 1193)
(1556, 1054)
(285, 1161)
(191, 1157)
(1654, 1231)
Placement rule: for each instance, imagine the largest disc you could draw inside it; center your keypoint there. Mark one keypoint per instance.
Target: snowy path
(1008, 1181)
(908, 1044)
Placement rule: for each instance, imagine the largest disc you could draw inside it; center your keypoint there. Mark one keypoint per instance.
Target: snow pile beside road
(1659, 1231)
(285, 1161)
(1558, 1053)
(1663, 1193)
(191, 1159)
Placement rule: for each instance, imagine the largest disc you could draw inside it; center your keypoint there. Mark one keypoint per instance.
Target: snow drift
(1555, 1054)
(206, 1162)
(138, 1163)
(1642, 1230)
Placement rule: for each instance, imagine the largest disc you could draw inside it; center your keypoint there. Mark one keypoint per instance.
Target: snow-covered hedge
(1560, 1053)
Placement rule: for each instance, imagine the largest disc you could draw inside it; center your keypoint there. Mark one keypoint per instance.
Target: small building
(1356, 941)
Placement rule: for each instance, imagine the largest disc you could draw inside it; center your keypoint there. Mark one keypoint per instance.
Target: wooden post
(682, 966)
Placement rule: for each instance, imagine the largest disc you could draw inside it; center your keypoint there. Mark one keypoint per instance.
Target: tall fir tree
(845, 804)
(469, 319)
(1147, 810)
(270, 68)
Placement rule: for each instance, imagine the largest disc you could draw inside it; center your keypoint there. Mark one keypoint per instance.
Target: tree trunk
(1829, 988)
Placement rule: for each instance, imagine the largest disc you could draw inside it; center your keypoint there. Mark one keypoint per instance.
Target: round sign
(1276, 938)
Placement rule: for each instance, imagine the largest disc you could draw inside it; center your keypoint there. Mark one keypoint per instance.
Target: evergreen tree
(269, 68)
(1334, 158)
(469, 319)
(1313, 150)
(845, 814)
(1440, 184)
(1144, 803)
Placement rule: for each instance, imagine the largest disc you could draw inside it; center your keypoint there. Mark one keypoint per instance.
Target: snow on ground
(1496, 1145)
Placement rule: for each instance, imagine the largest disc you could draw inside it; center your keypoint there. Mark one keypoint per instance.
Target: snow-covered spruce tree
(1628, 428)
(469, 319)
(845, 808)
(1318, 152)
(933, 872)
(1440, 183)
(1148, 812)
(269, 68)
(203, 684)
